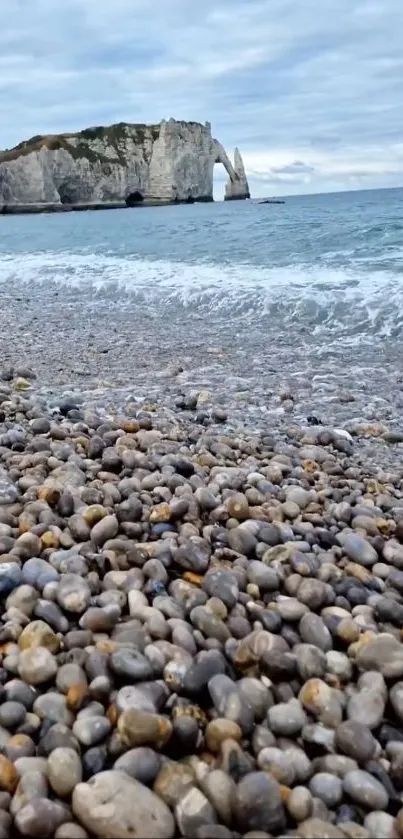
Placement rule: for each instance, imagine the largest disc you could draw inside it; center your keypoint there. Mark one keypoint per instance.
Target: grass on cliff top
(112, 135)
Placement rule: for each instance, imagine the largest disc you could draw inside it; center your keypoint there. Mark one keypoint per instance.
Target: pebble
(201, 628)
(8, 775)
(355, 740)
(258, 804)
(365, 790)
(37, 665)
(142, 763)
(113, 804)
(64, 771)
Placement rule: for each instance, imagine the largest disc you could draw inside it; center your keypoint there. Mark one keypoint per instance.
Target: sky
(312, 93)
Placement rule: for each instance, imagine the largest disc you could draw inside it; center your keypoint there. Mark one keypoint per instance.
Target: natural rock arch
(237, 186)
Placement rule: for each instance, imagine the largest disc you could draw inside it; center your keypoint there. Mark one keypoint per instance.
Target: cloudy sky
(311, 92)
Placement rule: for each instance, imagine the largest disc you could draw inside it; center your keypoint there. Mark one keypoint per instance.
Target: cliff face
(171, 161)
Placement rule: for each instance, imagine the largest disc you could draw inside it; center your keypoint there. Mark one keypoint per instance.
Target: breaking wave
(348, 301)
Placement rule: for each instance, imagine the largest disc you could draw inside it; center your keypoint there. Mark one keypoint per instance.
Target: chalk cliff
(163, 163)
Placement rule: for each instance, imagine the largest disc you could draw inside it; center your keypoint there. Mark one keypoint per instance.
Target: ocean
(250, 300)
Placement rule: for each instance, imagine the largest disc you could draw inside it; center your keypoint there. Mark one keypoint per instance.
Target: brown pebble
(9, 776)
(219, 730)
(76, 696)
(140, 728)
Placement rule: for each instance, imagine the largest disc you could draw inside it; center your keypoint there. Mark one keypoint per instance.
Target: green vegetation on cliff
(103, 144)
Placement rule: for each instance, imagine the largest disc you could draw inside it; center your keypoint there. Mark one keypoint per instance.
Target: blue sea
(311, 288)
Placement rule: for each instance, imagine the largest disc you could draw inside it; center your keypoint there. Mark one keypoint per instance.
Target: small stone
(319, 699)
(355, 740)
(384, 654)
(104, 529)
(12, 714)
(258, 804)
(315, 828)
(381, 825)
(38, 634)
(242, 540)
(194, 811)
(37, 665)
(10, 577)
(219, 730)
(287, 718)
(313, 630)
(70, 830)
(40, 818)
(112, 804)
(142, 763)
(20, 745)
(139, 728)
(278, 764)
(367, 707)
(220, 790)
(64, 771)
(73, 593)
(31, 785)
(9, 776)
(396, 699)
(222, 584)
(160, 513)
(91, 730)
(300, 804)
(357, 548)
(327, 787)
(37, 572)
(173, 781)
(365, 790)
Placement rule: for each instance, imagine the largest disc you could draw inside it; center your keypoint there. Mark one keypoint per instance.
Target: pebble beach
(201, 629)
(201, 524)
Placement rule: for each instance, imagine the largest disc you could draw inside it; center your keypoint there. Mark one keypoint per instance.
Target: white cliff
(168, 162)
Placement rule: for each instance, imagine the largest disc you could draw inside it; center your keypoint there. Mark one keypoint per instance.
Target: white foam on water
(352, 300)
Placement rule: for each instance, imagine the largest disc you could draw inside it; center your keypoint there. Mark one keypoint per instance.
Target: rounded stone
(70, 830)
(278, 764)
(327, 787)
(104, 529)
(287, 718)
(9, 775)
(258, 804)
(355, 740)
(365, 790)
(313, 630)
(300, 804)
(112, 804)
(381, 825)
(358, 549)
(40, 818)
(64, 771)
(219, 730)
(142, 763)
(194, 811)
(173, 781)
(73, 593)
(383, 654)
(37, 665)
(12, 714)
(91, 730)
(140, 728)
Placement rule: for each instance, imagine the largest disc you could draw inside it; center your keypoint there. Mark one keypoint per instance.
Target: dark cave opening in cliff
(134, 198)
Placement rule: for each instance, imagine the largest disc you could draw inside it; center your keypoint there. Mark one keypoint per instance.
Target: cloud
(310, 92)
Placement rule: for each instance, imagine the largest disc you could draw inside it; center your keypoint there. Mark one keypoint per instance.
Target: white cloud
(289, 82)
